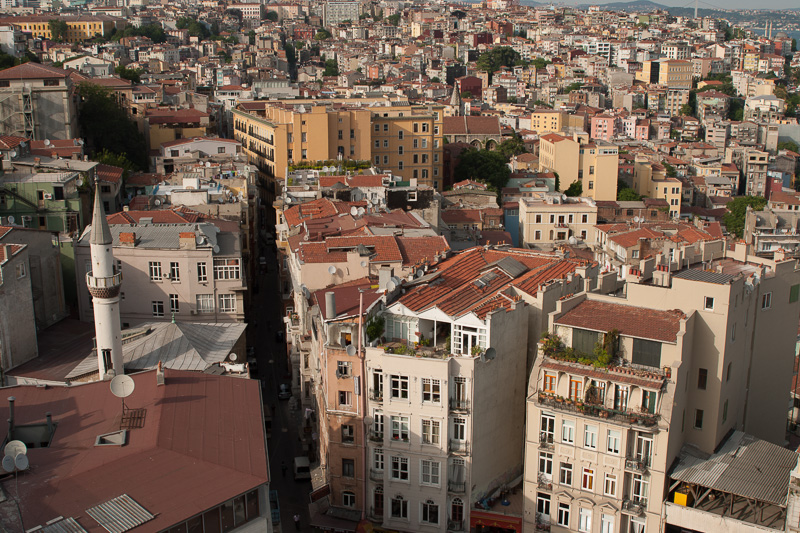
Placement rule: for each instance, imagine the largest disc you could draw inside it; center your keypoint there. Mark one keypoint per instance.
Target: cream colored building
(545, 121)
(193, 271)
(555, 218)
(594, 164)
(685, 344)
(650, 179)
(671, 73)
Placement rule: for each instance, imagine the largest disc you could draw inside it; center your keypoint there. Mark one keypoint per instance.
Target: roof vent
(115, 438)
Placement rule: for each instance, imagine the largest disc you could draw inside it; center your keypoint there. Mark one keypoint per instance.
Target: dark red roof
(159, 216)
(629, 320)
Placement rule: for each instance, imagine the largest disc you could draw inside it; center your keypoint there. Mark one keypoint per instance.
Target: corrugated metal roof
(61, 525)
(120, 514)
(744, 465)
(161, 236)
(704, 275)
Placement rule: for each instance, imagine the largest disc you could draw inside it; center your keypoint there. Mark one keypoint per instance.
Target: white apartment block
(337, 11)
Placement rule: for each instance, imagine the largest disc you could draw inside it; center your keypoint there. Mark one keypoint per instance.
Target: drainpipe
(11, 400)
(363, 407)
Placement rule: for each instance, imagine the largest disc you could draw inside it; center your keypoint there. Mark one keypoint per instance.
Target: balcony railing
(455, 525)
(545, 482)
(376, 513)
(637, 464)
(459, 446)
(598, 410)
(635, 505)
(375, 435)
(546, 440)
(114, 280)
(375, 475)
(459, 487)
(457, 404)
(376, 395)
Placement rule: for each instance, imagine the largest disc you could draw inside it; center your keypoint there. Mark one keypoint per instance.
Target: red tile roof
(9, 250)
(172, 116)
(32, 71)
(159, 216)
(629, 320)
(7, 142)
(109, 174)
(468, 125)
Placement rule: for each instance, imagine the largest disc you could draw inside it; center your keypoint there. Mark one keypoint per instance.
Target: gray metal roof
(61, 525)
(181, 346)
(120, 514)
(160, 236)
(744, 465)
(706, 276)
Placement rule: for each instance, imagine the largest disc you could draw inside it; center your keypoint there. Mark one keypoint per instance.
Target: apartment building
(545, 121)
(650, 179)
(18, 330)
(595, 165)
(754, 164)
(337, 11)
(671, 73)
(556, 218)
(79, 29)
(188, 270)
(624, 386)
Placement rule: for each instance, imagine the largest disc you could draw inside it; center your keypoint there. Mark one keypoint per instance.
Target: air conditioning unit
(27, 218)
(48, 196)
(167, 276)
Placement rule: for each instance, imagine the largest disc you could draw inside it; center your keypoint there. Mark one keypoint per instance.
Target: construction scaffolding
(17, 112)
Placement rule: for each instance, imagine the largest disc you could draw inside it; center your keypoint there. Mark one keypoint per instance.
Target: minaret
(104, 285)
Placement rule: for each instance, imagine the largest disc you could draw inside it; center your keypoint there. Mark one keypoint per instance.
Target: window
(568, 431)
(349, 499)
(174, 305)
(565, 474)
(385, 127)
(612, 441)
(583, 340)
(587, 481)
(547, 431)
(386, 143)
(702, 379)
(425, 127)
(386, 160)
(563, 514)
(709, 306)
(345, 398)
(698, 419)
(400, 150)
(158, 308)
(227, 303)
(607, 523)
(646, 353)
(227, 268)
(794, 293)
(20, 270)
(649, 398)
(352, 134)
(205, 303)
(430, 472)
(377, 143)
(202, 274)
(766, 301)
(550, 382)
(640, 488)
(584, 520)
(175, 271)
(155, 271)
(400, 428)
(348, 433)
(377, 459)
(457, 510)
(590, 437)
(459, 428)
(543, 504)
(546, 464)
(400, 134)
(431, 390)
(621, 397)
(377, 127)
(728, 372)
(400, 468)
(584, 219)
(575, 389)
(399, 507)
(399, 387)
(343, 369)
(348, 468)
(610, 485)
(637, 525)
(430, 512)
(416, 127)
(304, 137)
(400, 165)
(430, 432)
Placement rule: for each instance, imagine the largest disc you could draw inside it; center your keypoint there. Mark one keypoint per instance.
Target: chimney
(330, 305)
(127, 239)
(11, 400)
(160, 374)
(187, 240)
(384, 275)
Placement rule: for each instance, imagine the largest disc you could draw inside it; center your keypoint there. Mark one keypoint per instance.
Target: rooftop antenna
(122, 386)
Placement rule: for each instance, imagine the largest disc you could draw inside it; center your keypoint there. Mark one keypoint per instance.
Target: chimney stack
(11, 400)
(330, 305)
(187, 240)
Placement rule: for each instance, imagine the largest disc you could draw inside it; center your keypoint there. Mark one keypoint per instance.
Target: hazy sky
(725, 4)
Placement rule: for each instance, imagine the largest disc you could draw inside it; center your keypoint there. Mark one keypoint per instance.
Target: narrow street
(284, 443)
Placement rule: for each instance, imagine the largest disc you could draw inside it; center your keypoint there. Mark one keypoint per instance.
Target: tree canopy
(485, 166)
(331, 68)
(497, 58)
(58, 29)
(271, 15)
(737, 209)
(154, 32)
(575, 189)
(511, 147)
(132, 74)
(196, 29)
(322, 35)
(788, 145)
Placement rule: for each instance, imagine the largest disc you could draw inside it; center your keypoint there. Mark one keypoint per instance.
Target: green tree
(539, 63)
(271, 15)
(106, 126)
(322, 35)
(394, 20)
(58, 29)
(251, 37)
(573, 87)
(788, 145)
(575, 189)
(686, 110)
(436, 79)
(154, 32)
(511, 147)
(496, 58)
(132, 74)
(794, 45)
(736, 109)
(466, 94)
(671, 172)
(196, 29)
(737, 209)
(331, 68)
(627, 195)
(485, 166)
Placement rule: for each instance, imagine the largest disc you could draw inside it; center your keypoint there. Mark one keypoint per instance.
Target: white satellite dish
(79, 181)
(216, 249)
(21, 462)
(156, 202)
(9, 465)
(80, 142)
(351, 350)
(14, 448)
(396, 281)
(360, 211)
(363, 264)
(391, 285)
(573, 240)
(306, 187)
(354, 211)
(233, 356)
(208, 164)
(331, 270)
(13, 153)
(419, 273)
(288, 199)
(11, 219)
(47, 142)
(122, 386)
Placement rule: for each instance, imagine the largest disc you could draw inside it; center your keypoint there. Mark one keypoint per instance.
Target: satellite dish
(14, 448)
(419, 273)
(354, 211)
(208, 164)
(331, 270)
(9, 465)
(360, 211)
(351, 350)
(221, 200)
(21, 462)
(216, 249)
(79, 181)
(573, 240)
(11, 219)
(80, 142)
(396, 281)
(122, 386)
(391, 285)
(13, 153)
(363, 264)
(306, 187)
(156, 202)
(47, 142)
(490, 354)
(306, 292)
(288, 199)
(233, 357)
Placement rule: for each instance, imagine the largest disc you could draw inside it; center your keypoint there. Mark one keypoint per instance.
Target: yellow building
(79, 29)
(594, 164)
(547, 121)
(407, 140)
(672, 73)
(651, 180)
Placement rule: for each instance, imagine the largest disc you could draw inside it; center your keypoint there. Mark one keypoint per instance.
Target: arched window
(348, 498)
(377, 501)
(457, 510)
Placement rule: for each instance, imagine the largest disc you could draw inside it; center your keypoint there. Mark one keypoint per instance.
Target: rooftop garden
(602, 356)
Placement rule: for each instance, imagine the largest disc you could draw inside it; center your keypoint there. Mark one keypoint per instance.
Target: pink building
(604, 127)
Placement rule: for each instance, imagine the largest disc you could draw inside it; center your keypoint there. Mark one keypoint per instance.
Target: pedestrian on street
(283, 468)
(297, 522)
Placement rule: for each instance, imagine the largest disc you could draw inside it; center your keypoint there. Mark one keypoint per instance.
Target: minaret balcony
(104, 287)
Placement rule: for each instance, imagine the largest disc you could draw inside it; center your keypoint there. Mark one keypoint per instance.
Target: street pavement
(265, 320)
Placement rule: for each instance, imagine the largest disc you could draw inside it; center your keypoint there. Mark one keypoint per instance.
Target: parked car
(284, 392)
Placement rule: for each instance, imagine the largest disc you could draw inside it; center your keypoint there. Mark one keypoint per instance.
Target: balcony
(376, 436)
(637, 464)
(629, 416)
(636, 505)
(457, 404)
(376, 514)
(376, 395)
(114, 280)
(376, 475)
(457, 487)
(546, 441)
(544, 482)
(455, 525)
(460, 447)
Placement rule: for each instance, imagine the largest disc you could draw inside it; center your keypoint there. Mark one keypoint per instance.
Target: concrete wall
(18, 325)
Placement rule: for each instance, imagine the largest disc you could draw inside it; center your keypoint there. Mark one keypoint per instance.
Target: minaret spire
(104, 284)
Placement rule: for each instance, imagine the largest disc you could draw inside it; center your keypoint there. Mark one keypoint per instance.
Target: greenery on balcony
(593, 407)
(346, 164)
(601, 357)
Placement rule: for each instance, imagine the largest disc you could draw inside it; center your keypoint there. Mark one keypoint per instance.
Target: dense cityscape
(399, 266)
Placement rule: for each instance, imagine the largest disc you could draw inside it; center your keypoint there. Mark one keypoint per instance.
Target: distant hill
(632, 5)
